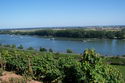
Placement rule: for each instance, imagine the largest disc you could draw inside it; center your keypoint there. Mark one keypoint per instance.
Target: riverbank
(72, 33)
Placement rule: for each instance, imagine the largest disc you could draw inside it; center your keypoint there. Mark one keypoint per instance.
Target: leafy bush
(46, 68)
(20, 47)
(69, 51)
(97, 71)
(13, 46)
(50, 50)
(30, 48)
(71, 69)
(43, 49)
(1, 71)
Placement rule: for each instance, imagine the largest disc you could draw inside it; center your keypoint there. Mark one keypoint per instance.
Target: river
(102, 46)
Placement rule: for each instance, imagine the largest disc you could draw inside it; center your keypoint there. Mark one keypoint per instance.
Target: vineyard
(49, 67)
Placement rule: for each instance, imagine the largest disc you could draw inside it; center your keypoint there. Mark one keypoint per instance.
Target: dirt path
(9, 77)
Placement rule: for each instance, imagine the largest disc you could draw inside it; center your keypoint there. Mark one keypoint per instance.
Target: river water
(102, 46)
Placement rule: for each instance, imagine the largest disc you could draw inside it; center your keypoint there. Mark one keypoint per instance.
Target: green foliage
(1, 71)
(13, 46)
(69, 51)
(115, 60)
(20, 47)
(46, 68)
(76, 33)
(43, 49)
(90, 56)
(49, 67)
(50, 50)
(97, 71)
(121, 69)
(71, 69)
(30, 48)
(7, 45)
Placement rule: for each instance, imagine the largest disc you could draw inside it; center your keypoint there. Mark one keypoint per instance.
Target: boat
(52, 38)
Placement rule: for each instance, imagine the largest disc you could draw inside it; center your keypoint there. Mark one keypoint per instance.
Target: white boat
(52, 38)
(84, 41)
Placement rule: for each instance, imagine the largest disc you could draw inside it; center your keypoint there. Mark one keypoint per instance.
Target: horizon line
(60, 26)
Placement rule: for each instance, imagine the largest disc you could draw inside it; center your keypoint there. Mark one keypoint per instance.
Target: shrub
(7, 45)
(1, 71)
(69, 51)
(89, 69)
(43, 49)
(13, 46)
(71, 69)
(50, 50)
(0, 44)
(20, 47)
(97, 71)
(30, 48)
(46, 68)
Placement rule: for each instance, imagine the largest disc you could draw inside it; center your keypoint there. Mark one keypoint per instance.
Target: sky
(54, 13)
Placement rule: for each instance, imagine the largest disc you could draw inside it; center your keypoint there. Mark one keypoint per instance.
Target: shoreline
(66, 38)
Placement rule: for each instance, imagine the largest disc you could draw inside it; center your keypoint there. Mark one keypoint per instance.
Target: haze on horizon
(52, 13)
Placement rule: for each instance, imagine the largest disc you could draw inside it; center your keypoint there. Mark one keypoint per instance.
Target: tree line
(73, 33)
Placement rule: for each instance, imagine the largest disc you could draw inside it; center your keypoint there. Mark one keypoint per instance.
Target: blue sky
(51, 13)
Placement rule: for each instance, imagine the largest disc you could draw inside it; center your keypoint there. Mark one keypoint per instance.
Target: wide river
(103, 46)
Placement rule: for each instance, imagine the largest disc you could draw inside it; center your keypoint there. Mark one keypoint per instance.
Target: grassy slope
(119, 63)
(121, 69)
